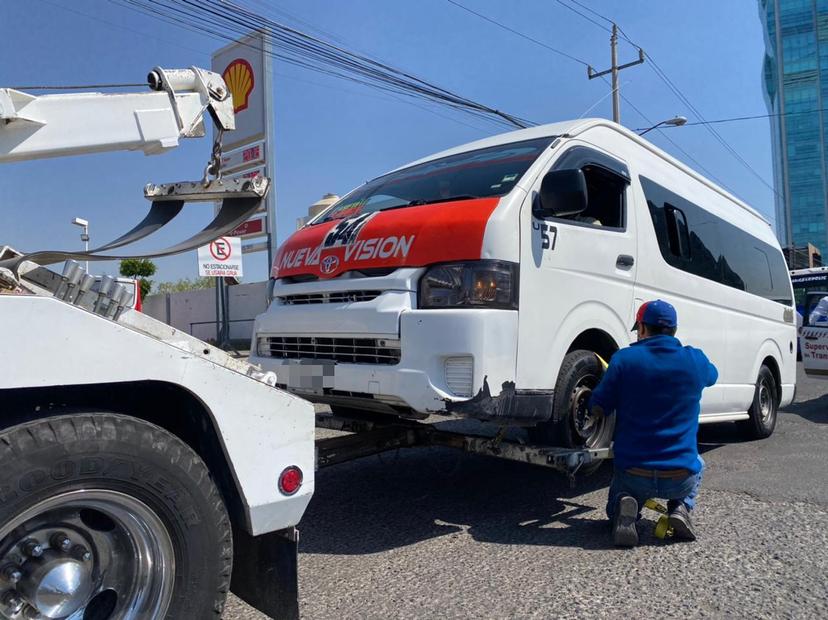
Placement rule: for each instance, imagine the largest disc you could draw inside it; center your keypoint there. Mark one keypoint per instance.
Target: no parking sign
(222, 258)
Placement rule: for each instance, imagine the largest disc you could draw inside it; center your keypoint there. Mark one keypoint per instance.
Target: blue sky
(333, 135)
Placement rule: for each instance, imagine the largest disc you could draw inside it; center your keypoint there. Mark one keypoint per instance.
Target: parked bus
(481, 281)
(808, 280)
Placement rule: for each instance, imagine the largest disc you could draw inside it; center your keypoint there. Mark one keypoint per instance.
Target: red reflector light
(290, 480)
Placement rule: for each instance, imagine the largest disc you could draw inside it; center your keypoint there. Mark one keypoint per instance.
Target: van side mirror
(563, 193)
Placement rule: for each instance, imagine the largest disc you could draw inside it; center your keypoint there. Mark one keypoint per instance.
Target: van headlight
(470, 284)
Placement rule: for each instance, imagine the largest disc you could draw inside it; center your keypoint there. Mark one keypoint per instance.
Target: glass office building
(796, 92)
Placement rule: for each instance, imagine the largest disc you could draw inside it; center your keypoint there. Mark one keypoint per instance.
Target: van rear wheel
(763, 412)
(572, 424)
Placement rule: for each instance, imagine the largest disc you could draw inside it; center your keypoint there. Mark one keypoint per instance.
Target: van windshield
(475, 174)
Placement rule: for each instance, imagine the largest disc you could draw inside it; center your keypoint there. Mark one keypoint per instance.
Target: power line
(657, 69)
(589, 19)
(745, 118)
(594, 12)
(630, 103)
(518, 33)
(226, 20)
(671, 141)
(662, 75)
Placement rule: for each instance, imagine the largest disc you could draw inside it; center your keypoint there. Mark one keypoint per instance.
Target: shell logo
(239, 79)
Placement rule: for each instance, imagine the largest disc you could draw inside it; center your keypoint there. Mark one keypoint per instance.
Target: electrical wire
(662, 75)
(727, 146)
(229, 21)
(626, 100)
(518, 33)
(589, 19)
(743, 118)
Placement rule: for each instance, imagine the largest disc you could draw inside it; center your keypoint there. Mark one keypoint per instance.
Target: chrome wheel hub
(86, 554)
(57, 587)
(765, 401)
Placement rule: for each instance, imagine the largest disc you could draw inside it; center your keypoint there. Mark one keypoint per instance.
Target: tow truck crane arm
(36, 127)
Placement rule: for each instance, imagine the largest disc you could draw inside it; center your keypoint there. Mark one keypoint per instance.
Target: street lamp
(84, 224)
(676, 121)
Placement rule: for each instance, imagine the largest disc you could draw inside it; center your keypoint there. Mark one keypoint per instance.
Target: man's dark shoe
(679, 520)
(624, 532)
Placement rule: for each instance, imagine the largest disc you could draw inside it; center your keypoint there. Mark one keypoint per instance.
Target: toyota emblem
(329, 264)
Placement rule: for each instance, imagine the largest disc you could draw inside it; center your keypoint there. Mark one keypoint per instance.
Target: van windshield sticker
(508, 178)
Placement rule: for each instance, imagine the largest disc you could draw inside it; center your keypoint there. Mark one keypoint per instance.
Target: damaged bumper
(510, 406)
(450, 363)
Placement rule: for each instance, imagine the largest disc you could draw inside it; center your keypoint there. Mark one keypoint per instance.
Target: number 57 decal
(549, 234)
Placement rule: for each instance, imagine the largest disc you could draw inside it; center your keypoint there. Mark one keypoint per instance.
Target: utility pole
(616, 94)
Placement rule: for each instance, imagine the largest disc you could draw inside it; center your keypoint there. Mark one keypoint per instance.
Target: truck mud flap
(266, 572)
(510, 406)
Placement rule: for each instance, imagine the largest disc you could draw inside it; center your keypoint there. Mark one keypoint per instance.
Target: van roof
(573, 128)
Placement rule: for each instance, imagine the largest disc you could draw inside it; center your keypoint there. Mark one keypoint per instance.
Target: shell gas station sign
(242, 65)
(248, 151)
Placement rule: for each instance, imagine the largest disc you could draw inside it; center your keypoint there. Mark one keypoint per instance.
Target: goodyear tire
(572, 425)
(120, 514)
(764, 410)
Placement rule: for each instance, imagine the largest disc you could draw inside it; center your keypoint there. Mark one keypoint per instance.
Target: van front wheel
(572, 425)
(763, 411)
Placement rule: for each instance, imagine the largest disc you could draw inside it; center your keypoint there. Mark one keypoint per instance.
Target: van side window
(698, 242)
(605, 198)
(607, 180)
(677, 232)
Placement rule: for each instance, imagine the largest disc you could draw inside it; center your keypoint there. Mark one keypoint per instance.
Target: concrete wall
(194, 312)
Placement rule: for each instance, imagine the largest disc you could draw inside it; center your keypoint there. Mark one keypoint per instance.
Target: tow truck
(143, 473)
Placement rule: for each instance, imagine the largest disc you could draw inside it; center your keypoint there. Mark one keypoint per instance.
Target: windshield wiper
(412, 203)
(420, 202)
(417, 203)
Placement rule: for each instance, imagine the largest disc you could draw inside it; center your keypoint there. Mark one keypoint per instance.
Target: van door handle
(624, 261)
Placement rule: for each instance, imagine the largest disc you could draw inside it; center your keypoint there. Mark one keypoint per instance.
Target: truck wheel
(107, 516)
(763, 411)
(576, 427)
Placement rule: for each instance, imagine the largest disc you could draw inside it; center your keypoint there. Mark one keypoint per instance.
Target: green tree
(186, 284)
(140, 269)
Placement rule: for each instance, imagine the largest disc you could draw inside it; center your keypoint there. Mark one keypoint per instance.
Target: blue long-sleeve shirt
(654, 386)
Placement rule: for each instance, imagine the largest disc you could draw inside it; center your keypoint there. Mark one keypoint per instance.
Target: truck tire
(763, 412)
(575, 427)
(104, 516)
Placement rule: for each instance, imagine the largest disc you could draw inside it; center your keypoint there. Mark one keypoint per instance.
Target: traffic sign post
(221, 259)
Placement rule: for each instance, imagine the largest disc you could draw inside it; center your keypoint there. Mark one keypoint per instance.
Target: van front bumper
(458, 362)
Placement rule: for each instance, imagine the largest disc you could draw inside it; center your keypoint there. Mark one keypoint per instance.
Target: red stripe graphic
(406, 237)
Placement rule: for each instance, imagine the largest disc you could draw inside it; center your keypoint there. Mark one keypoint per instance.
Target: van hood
(403, 237)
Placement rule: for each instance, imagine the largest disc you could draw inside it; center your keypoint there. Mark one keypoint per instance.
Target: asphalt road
(437, 534)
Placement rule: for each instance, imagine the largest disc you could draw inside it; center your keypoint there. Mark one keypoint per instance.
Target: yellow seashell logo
(239, 79)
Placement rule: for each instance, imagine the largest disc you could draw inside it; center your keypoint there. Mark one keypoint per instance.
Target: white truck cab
(481, 281)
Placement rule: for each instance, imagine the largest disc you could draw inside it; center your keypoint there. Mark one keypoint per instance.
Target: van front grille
(345, 350)
(337, 297)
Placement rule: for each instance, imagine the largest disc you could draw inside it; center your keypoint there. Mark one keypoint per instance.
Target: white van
(480, 281)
